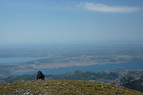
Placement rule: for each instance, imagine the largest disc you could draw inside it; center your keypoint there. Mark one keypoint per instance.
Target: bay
(14, 60)
(97, 68)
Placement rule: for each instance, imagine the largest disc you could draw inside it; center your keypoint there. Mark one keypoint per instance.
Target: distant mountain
(133, 80)
(109, 76)
(63, 87)
(83, 75)
(129, 78)
(18, 78)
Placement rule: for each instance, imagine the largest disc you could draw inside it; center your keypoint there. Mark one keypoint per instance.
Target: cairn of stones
(40, 76)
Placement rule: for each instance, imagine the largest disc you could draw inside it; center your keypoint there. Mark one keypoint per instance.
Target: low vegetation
(63, 87)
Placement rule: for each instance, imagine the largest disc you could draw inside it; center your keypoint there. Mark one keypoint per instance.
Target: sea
(62, 70)
(97, 68)
(15, 60)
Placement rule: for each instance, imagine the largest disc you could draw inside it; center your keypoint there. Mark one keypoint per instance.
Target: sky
(70, 21)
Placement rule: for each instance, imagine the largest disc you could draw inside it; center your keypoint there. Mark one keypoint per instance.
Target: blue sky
(70, 21)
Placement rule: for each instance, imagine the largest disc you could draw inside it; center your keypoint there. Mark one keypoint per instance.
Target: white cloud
(105, 8)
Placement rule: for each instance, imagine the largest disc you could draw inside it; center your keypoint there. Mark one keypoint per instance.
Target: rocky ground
(63, 87)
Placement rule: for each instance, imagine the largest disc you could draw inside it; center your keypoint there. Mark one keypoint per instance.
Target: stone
(40, 76)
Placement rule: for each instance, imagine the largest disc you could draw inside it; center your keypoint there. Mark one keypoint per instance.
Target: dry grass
(63, 87)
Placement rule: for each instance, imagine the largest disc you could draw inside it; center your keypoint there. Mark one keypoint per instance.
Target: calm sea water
(14, 60)
(88, 68)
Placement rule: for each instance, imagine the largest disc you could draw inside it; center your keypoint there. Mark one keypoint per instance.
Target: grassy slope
(63, 87)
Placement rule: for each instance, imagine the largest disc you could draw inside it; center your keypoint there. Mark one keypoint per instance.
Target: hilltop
(63, 87)
(130, 78)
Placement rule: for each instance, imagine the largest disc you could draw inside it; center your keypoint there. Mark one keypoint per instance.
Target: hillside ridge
(63, 87)
(130, 78)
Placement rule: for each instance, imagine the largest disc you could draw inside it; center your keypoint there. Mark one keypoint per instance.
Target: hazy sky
(70, 21)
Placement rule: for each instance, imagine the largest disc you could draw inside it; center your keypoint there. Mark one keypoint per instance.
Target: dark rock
(40, 76)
